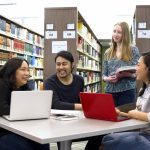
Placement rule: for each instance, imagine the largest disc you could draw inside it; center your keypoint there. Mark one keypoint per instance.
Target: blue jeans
(127, 141)
(125, 97)
(15, 142)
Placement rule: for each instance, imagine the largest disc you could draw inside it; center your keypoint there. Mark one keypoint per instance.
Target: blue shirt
(112, 65)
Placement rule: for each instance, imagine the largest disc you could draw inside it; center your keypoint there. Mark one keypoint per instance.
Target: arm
(57, 103)
(105, 76)
(65, 97)
(135, 114)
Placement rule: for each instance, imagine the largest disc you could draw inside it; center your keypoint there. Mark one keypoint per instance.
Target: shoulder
(51, 78)
(77, 77)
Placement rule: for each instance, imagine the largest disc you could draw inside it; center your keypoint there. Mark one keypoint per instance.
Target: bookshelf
(141, 28)
(19, 41)
(66, 29)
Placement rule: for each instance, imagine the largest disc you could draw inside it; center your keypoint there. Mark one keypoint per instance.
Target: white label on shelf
(143, 33)
(50, 34)
(58, 46)
(70, 26)
(49, 27)
(68, 34)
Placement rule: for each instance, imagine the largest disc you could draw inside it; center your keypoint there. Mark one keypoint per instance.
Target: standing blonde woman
(121, 53)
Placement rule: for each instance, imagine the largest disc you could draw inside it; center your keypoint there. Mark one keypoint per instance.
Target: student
(120, 53)
(13, 77)
(136, 140)
(65, 85)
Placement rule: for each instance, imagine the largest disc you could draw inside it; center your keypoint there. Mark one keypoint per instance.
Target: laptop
(99, 106)
(27, 105)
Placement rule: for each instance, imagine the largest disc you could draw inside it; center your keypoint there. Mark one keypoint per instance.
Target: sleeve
(4, 96)
(136, 55)
(56, 101)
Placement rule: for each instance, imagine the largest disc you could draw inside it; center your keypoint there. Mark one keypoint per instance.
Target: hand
(133, 114)
(117, 110)
(120, 113)
(78, 106)
(112, 79)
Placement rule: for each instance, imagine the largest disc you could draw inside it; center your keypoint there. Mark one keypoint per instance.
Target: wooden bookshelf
(78, 38)
(141, 28)
(19, 41)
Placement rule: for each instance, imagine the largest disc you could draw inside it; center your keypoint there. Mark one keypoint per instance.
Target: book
(131, 69)
(125, 71)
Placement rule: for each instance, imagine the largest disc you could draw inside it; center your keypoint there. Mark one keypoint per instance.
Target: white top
(143, 104)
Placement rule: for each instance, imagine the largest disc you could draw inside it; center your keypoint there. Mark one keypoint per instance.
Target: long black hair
(8, 71)
(146, 59)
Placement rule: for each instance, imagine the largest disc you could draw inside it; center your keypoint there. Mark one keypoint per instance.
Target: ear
(73, 65)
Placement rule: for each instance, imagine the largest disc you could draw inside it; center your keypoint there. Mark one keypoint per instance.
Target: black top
(5, 97)
(64, 96)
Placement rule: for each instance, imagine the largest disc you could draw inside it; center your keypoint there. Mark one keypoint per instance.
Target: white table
(50, 130)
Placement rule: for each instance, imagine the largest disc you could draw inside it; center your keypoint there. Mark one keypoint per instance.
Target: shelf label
(144, 34)
(50, 34)
(68, 34)
(58, 46)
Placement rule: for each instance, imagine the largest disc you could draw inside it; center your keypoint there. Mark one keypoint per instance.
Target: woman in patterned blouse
(121, 53)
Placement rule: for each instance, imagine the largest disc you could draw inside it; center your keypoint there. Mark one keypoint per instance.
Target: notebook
(99, 106)
(30, 105)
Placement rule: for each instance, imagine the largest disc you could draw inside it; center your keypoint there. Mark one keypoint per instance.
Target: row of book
(35, 85)
(89, 77)
(86, 62)
(94, 88)
(86, 48)
(20, 32)
(36, 73)
(19, 46)
(83, 30)
(33, 61)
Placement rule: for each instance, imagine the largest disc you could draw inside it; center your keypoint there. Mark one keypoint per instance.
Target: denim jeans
(121, 98)
(15, 142)
(127, 141)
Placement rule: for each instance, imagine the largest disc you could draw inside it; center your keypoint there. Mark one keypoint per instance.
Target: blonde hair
(126, 53)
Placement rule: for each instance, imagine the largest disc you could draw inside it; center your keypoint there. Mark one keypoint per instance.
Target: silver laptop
(30, 105)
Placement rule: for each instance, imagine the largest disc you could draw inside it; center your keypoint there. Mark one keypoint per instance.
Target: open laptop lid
(98, 106)
(30, 105)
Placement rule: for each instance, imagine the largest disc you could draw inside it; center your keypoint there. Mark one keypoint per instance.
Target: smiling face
(22, 75)
(117, 34)
(63, 67)
(142, 71)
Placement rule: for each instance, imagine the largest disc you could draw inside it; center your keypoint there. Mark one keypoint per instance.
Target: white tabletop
(50, 130)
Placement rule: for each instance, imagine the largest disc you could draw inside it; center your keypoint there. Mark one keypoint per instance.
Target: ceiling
(100, 15)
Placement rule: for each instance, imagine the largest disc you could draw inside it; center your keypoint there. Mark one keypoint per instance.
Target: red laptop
(99, 106)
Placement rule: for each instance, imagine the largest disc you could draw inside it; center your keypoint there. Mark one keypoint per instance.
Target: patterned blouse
(110, 67)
